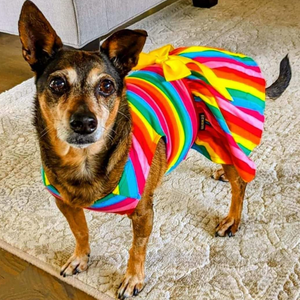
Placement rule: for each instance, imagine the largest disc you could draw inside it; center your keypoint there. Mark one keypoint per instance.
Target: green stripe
(244, 149)
(202, 150)
(249, 97)
(200, 77)
(145, 112)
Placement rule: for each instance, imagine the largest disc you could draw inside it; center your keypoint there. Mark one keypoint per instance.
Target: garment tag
(202, 121)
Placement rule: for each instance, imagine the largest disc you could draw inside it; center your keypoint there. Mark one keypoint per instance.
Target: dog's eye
(57, 85)
(106, 87)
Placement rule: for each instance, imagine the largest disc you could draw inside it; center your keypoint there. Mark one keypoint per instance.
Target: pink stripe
(238, 153)
(222, 60)
(224, 104)
(140, 164)
(55, 195)
(251, 71)
(253, 113)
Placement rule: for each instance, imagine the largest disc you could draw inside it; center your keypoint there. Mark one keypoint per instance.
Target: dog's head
(79, 93)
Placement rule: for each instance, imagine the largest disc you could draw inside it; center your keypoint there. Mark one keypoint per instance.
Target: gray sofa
(77, 22)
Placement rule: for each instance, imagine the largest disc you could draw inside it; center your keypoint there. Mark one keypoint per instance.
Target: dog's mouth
(80, 141)
(83, 140)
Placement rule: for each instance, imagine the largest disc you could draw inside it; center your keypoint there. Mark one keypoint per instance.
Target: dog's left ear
(123, 49)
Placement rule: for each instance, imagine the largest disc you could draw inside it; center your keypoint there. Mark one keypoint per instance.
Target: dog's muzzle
(84, 129)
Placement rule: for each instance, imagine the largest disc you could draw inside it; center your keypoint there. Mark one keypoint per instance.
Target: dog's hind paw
(228, 226)
(131, 286)
(219, 175)
(75, 264)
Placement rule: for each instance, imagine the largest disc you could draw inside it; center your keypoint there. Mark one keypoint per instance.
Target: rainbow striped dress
(207, 99)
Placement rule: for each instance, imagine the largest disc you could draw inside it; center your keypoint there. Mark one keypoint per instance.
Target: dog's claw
(228, 226)
(131, 286)
(219, 175)
(135, 291)
(75, 265)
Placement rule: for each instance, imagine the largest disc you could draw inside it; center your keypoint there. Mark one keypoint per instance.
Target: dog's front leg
(142, 220)
(79, 260)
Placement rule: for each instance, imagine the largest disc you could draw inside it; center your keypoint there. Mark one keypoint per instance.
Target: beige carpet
(185, 260)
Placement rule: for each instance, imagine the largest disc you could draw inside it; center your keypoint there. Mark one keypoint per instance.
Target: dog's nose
(83, 123)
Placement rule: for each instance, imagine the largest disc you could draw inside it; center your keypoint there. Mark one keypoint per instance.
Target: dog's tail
(279, 86)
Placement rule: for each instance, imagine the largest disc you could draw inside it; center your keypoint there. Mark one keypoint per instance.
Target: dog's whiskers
(123, 115)
(45, 131)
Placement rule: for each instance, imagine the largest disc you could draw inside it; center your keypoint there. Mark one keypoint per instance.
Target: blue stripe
(107, 201)
(214, 54)
(130, 182)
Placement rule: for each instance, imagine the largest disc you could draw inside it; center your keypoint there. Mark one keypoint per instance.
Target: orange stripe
(235, 77)
(243, 132)
(220, 149)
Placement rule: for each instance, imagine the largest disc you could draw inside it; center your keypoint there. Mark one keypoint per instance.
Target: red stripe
(241, 123)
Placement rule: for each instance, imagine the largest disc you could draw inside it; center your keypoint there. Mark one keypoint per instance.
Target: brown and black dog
(88, 165)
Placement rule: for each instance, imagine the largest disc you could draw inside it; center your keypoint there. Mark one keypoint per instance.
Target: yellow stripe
(201, 49)
(214, 81)
(244, 142)
(116, 191)
(150, 129)
(213, 155)
(210, 100)
(243, 87)
(46, 179)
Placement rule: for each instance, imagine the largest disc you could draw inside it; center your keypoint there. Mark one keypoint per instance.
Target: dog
(84, 125)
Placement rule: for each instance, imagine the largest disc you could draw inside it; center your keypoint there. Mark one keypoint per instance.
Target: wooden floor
(20, 280)
(13, 68)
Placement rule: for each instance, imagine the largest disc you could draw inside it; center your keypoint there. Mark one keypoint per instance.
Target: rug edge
(50, 270)
(19, 86)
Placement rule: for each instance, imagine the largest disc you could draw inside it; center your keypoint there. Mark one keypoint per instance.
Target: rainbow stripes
(233, 128)
(216, 110)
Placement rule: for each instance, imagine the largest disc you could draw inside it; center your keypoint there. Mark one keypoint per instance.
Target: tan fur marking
(95, 75)
(69, 73)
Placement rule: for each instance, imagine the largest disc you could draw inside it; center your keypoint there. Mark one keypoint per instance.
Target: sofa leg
(205, 3)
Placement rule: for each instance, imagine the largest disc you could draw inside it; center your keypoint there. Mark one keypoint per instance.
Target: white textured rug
(185, 260)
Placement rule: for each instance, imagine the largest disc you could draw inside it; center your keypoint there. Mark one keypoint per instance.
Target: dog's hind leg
(231, 223)
(78, 262)
(142, 221)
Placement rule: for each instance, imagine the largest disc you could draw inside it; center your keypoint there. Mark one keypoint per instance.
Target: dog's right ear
(39, 40)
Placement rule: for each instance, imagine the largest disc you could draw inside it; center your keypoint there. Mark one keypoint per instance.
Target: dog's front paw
(131, 286)
(228, 226)
(75, 264)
